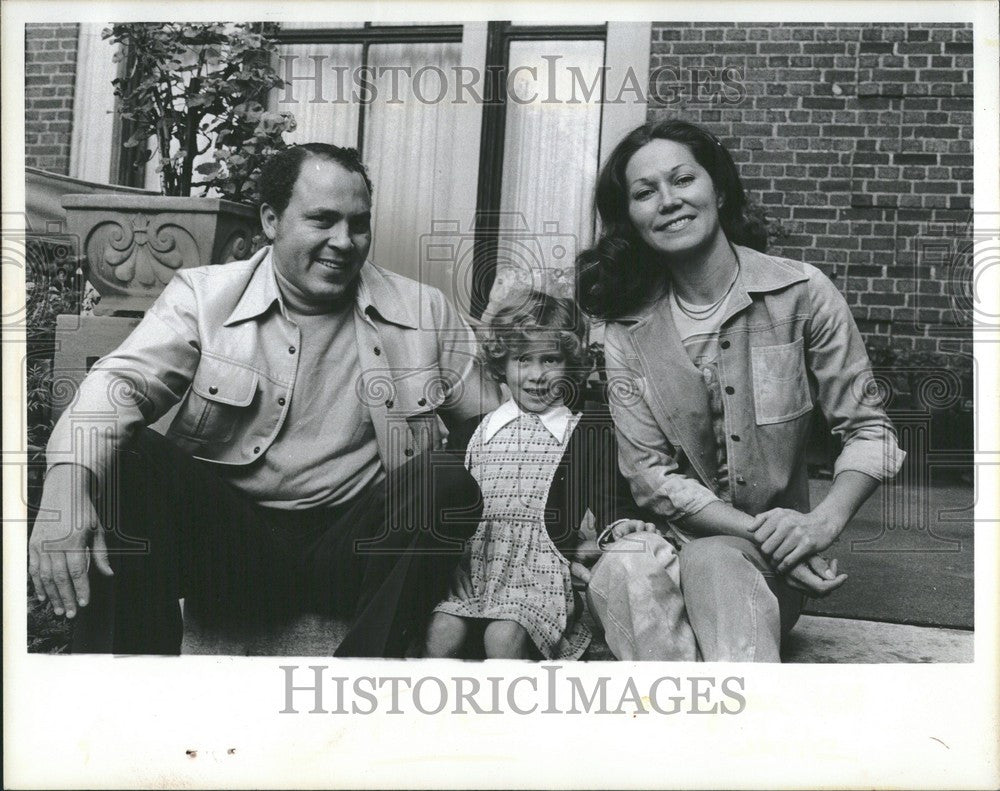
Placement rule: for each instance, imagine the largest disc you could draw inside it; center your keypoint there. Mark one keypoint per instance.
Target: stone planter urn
(134, 243)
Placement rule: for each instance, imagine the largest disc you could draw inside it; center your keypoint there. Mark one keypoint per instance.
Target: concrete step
(846, 640)
(815, 639)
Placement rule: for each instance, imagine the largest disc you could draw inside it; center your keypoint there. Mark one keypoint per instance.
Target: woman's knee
(635, 550)
(713, 555)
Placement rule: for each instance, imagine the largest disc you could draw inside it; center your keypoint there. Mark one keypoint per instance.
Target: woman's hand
(815, 577)
(623, 527)
(789, 537)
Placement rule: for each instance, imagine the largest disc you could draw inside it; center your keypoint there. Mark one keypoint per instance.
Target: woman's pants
(719, 592)
(176, 529)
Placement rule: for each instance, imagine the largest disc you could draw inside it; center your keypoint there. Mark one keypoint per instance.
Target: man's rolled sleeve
(845, 387)
(647, 459)
(132, 386)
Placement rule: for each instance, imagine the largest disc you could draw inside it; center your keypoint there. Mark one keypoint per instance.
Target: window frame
(500, 35)
(372, 35)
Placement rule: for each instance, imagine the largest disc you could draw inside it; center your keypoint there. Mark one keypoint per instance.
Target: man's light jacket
(219, 341)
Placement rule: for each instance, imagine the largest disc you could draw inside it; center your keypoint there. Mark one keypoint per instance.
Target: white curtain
(551, 148)
(323, 102)
(93, 107)
(409, 144)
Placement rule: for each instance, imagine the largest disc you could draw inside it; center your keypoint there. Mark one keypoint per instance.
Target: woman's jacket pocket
(780, 382)
(220, 396)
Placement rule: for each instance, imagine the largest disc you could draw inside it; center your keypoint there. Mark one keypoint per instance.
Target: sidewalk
(845, 640)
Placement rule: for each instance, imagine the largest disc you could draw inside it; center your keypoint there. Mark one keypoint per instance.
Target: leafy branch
(191, 88)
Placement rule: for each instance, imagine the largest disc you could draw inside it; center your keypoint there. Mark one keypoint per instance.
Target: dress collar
(555, 419)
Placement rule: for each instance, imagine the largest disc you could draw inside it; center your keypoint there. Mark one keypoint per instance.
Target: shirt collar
(261, 292)
(376, 294)
(555, 419)
(379, 295)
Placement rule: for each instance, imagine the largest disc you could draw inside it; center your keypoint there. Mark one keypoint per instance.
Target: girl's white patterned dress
(517, 573)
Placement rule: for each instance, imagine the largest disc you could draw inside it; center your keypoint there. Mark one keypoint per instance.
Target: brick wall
(49, 74)
(858, 139)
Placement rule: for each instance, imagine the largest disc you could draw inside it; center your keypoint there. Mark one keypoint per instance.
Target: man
(297, 473)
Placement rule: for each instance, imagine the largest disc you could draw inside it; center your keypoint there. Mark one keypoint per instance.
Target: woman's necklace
(702, 313)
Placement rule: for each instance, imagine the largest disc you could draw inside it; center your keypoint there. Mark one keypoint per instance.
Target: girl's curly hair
(528, 317)
(618, 274)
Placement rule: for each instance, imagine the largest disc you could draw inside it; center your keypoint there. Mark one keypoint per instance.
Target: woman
(720, 353)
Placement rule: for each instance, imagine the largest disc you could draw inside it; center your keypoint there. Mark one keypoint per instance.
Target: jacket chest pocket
(220, 397)
(780, 382)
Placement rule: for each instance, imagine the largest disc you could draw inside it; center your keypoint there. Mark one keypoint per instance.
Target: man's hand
(789, 537)
(58, 557)
(815, 577)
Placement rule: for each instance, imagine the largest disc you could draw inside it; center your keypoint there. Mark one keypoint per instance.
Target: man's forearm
(75, 477)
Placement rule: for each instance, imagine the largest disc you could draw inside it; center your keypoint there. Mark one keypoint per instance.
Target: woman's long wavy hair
(619, 274)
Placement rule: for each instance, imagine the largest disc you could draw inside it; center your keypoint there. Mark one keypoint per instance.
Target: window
(483, 140)
(539, 158)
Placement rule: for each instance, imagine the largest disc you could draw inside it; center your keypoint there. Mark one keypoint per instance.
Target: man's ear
(269, 221)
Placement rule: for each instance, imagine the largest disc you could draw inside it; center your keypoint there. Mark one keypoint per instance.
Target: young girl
(541, 468)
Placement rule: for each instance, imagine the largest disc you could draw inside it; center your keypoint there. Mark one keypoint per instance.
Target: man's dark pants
(176, 529)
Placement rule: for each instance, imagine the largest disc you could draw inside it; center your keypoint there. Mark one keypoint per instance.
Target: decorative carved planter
(135, 243)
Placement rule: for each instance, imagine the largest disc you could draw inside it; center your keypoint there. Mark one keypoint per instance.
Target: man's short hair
(280, 172)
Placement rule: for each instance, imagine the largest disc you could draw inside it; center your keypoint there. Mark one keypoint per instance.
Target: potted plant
(188, 90)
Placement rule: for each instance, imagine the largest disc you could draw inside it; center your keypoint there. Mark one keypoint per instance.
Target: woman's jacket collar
(759, 273)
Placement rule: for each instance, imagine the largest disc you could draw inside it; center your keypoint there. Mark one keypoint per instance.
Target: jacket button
(730, 389)
(281, 401)
(725, 344)
(741, 480)
(291, 350)
(388, 404)
(213, 390)
(421, 402)
(257, 449)
(377, 351)
(408, 452)
(735, 437)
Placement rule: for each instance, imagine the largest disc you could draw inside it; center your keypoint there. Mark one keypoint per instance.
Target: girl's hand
(581, 576)
(789, 537)
(623, 527)
(461, 583)
(587, 552)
